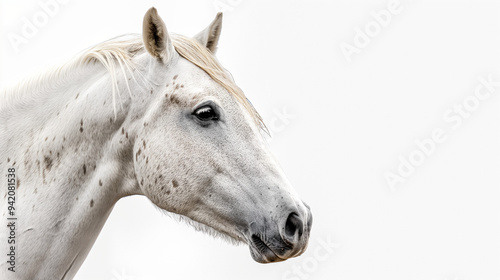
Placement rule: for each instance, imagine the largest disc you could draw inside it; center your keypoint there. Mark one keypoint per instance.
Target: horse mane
(113, 54)
(116, 56)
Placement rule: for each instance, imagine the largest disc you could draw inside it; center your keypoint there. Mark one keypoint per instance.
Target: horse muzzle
(275, 241)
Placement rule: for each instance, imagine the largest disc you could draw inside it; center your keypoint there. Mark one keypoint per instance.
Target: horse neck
(74, 157)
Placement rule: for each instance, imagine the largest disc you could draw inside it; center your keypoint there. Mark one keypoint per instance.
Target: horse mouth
(261, 252)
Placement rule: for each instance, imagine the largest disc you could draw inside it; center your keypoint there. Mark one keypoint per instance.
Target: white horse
(155, 116)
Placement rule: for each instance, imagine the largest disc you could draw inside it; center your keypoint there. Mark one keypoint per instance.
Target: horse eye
(206, 113)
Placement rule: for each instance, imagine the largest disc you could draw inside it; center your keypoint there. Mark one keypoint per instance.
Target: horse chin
(261, 253)
(264, 257)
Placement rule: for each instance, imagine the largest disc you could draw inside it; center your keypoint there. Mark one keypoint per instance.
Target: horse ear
(209, 37)
(155, 36)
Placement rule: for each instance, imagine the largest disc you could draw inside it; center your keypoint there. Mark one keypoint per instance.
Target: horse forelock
(200, 56)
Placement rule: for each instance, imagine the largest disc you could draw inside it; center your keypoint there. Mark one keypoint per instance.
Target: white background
(348, 124)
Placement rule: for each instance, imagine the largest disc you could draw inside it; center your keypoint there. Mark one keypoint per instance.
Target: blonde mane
(116, 56)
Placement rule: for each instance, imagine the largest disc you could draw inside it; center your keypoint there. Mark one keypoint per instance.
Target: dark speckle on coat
(48, 162)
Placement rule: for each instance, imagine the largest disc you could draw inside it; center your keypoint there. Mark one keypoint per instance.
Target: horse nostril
(293, 225)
